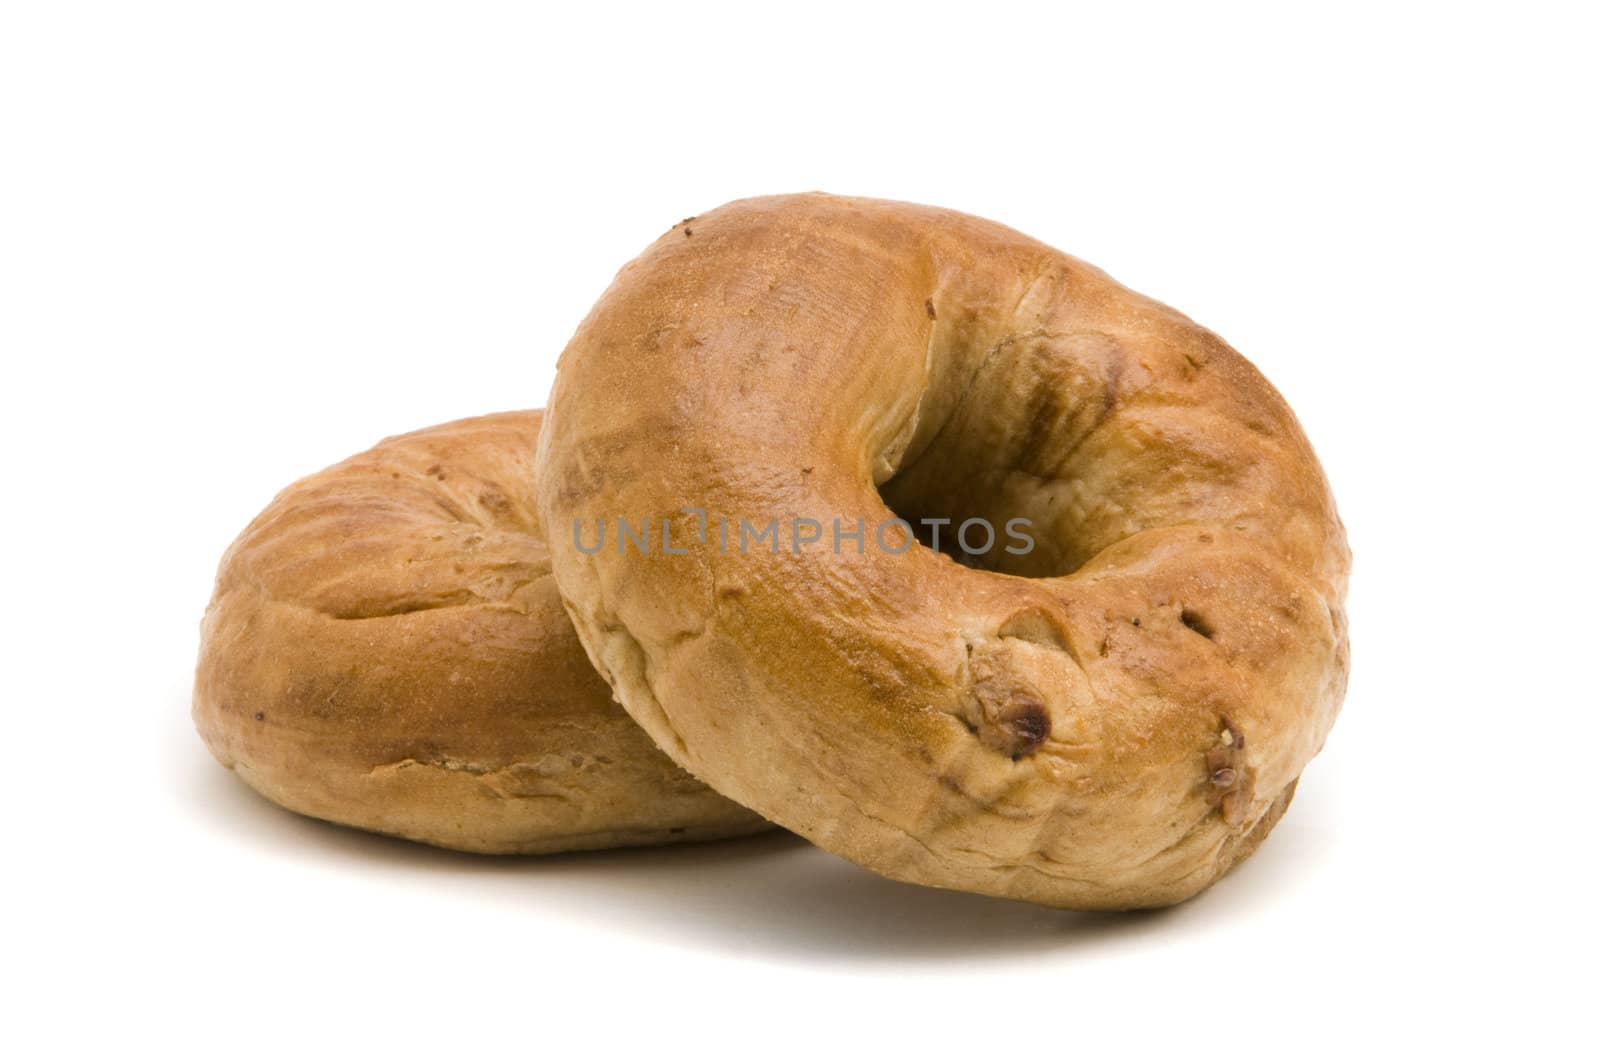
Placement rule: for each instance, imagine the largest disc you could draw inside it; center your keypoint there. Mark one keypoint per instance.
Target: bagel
(1109, 719)
(385, 649)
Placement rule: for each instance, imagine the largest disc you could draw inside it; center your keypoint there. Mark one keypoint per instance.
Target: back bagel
(385, 649)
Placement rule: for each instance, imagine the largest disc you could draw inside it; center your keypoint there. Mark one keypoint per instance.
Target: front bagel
(385, 649)
(1111, 718)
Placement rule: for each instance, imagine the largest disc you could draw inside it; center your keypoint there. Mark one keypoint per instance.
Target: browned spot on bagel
(1010, 717)
(1029, 725)
(494, 501)
(1196, 623)
(1047, 409)
(932, 315)
(436, 471)
(1232, 783)
(1018, 729)
(1113, 388)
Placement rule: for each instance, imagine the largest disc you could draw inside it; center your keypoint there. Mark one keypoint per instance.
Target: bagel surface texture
(385, 649)
(1110, 719)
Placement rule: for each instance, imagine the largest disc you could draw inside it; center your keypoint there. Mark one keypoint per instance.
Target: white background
(239, 242)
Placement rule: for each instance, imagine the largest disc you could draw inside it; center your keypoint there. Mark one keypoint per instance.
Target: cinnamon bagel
(385, 649)
(1108, 707)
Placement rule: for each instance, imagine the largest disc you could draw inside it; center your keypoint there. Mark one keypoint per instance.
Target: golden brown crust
(385, 648)
(1110, 721)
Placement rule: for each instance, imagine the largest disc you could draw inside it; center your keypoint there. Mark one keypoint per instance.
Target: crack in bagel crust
(1041, 725)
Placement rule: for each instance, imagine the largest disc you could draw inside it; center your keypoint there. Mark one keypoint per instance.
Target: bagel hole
(1007, 431)
(938, 539)
(970, 527)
